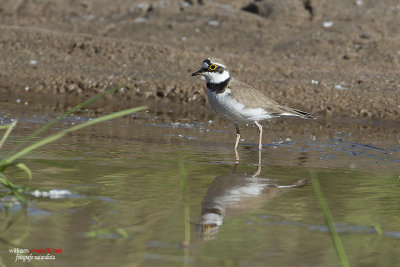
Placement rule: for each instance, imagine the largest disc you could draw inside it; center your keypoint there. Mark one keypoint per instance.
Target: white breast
(228, 108)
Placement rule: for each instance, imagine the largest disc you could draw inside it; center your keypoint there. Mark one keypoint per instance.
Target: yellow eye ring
(212, 67)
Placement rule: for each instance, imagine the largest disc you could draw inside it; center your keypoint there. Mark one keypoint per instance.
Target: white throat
(216, 77)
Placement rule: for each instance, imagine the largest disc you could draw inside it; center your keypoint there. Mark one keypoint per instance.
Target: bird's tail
(299, 113)
(303, 114)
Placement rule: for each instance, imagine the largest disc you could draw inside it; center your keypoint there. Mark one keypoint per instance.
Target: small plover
(238, 102)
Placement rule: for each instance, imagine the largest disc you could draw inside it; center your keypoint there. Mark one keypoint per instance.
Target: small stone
(327, 24)
(214, 23)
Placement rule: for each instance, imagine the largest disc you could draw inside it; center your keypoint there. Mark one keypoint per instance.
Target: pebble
(327, 24)
(214, 23)
(53, 194)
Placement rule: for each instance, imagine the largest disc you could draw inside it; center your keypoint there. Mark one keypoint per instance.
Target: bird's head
(213, 70)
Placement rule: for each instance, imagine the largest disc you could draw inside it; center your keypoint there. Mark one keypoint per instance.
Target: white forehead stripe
(217, 61)
(219, 64)
(204, 65)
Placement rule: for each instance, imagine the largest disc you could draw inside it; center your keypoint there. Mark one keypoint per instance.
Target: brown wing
(253, 98)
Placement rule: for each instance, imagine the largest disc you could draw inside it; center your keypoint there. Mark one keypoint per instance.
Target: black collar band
(218, 87)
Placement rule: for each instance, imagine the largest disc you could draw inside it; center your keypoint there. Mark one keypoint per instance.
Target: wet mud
(334, 59)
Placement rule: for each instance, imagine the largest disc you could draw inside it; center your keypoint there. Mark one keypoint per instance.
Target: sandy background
(336, 59)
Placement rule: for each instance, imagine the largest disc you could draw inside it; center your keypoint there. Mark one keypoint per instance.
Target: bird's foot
(236, 156)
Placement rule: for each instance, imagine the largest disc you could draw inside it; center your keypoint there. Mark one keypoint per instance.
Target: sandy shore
(336, 59)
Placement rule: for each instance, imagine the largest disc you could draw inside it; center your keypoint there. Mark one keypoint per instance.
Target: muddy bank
(337, 60)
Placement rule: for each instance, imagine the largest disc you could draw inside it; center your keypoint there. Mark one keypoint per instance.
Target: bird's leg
(260, 139)
(258, 171)
(236, 157)
(237, 136)
(237, 142)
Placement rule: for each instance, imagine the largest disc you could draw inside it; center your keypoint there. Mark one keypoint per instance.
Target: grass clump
(11, 159)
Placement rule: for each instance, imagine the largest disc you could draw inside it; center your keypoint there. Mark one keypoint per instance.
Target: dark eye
(212, 67)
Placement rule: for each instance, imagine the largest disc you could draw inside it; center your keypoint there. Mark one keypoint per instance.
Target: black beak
(200, 71)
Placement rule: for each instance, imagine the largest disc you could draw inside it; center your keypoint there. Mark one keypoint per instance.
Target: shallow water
(124, 174)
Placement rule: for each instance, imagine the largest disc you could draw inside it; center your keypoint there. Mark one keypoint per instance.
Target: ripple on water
(342, 228)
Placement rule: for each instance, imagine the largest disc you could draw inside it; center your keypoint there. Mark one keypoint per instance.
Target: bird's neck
(218, 85)
(216, 77)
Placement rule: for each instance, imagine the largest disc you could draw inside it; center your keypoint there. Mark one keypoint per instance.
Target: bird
(238, 102)
(233, 193)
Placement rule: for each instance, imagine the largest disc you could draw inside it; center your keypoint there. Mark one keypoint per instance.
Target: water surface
(124, 174)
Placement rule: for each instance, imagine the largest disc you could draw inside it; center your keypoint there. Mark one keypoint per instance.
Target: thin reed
(337, 243)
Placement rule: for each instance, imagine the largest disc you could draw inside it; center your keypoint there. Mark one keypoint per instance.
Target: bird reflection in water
(233, 193)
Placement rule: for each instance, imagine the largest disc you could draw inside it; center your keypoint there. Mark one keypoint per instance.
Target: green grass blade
(378, 228)
(329, 221)
(25, 168)
(186, 203)
(8, 160)
(14, 190)
(102, 233)
(5, 182)
(7, 133)
(121, 232)
(51, 123)
(6, 126)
